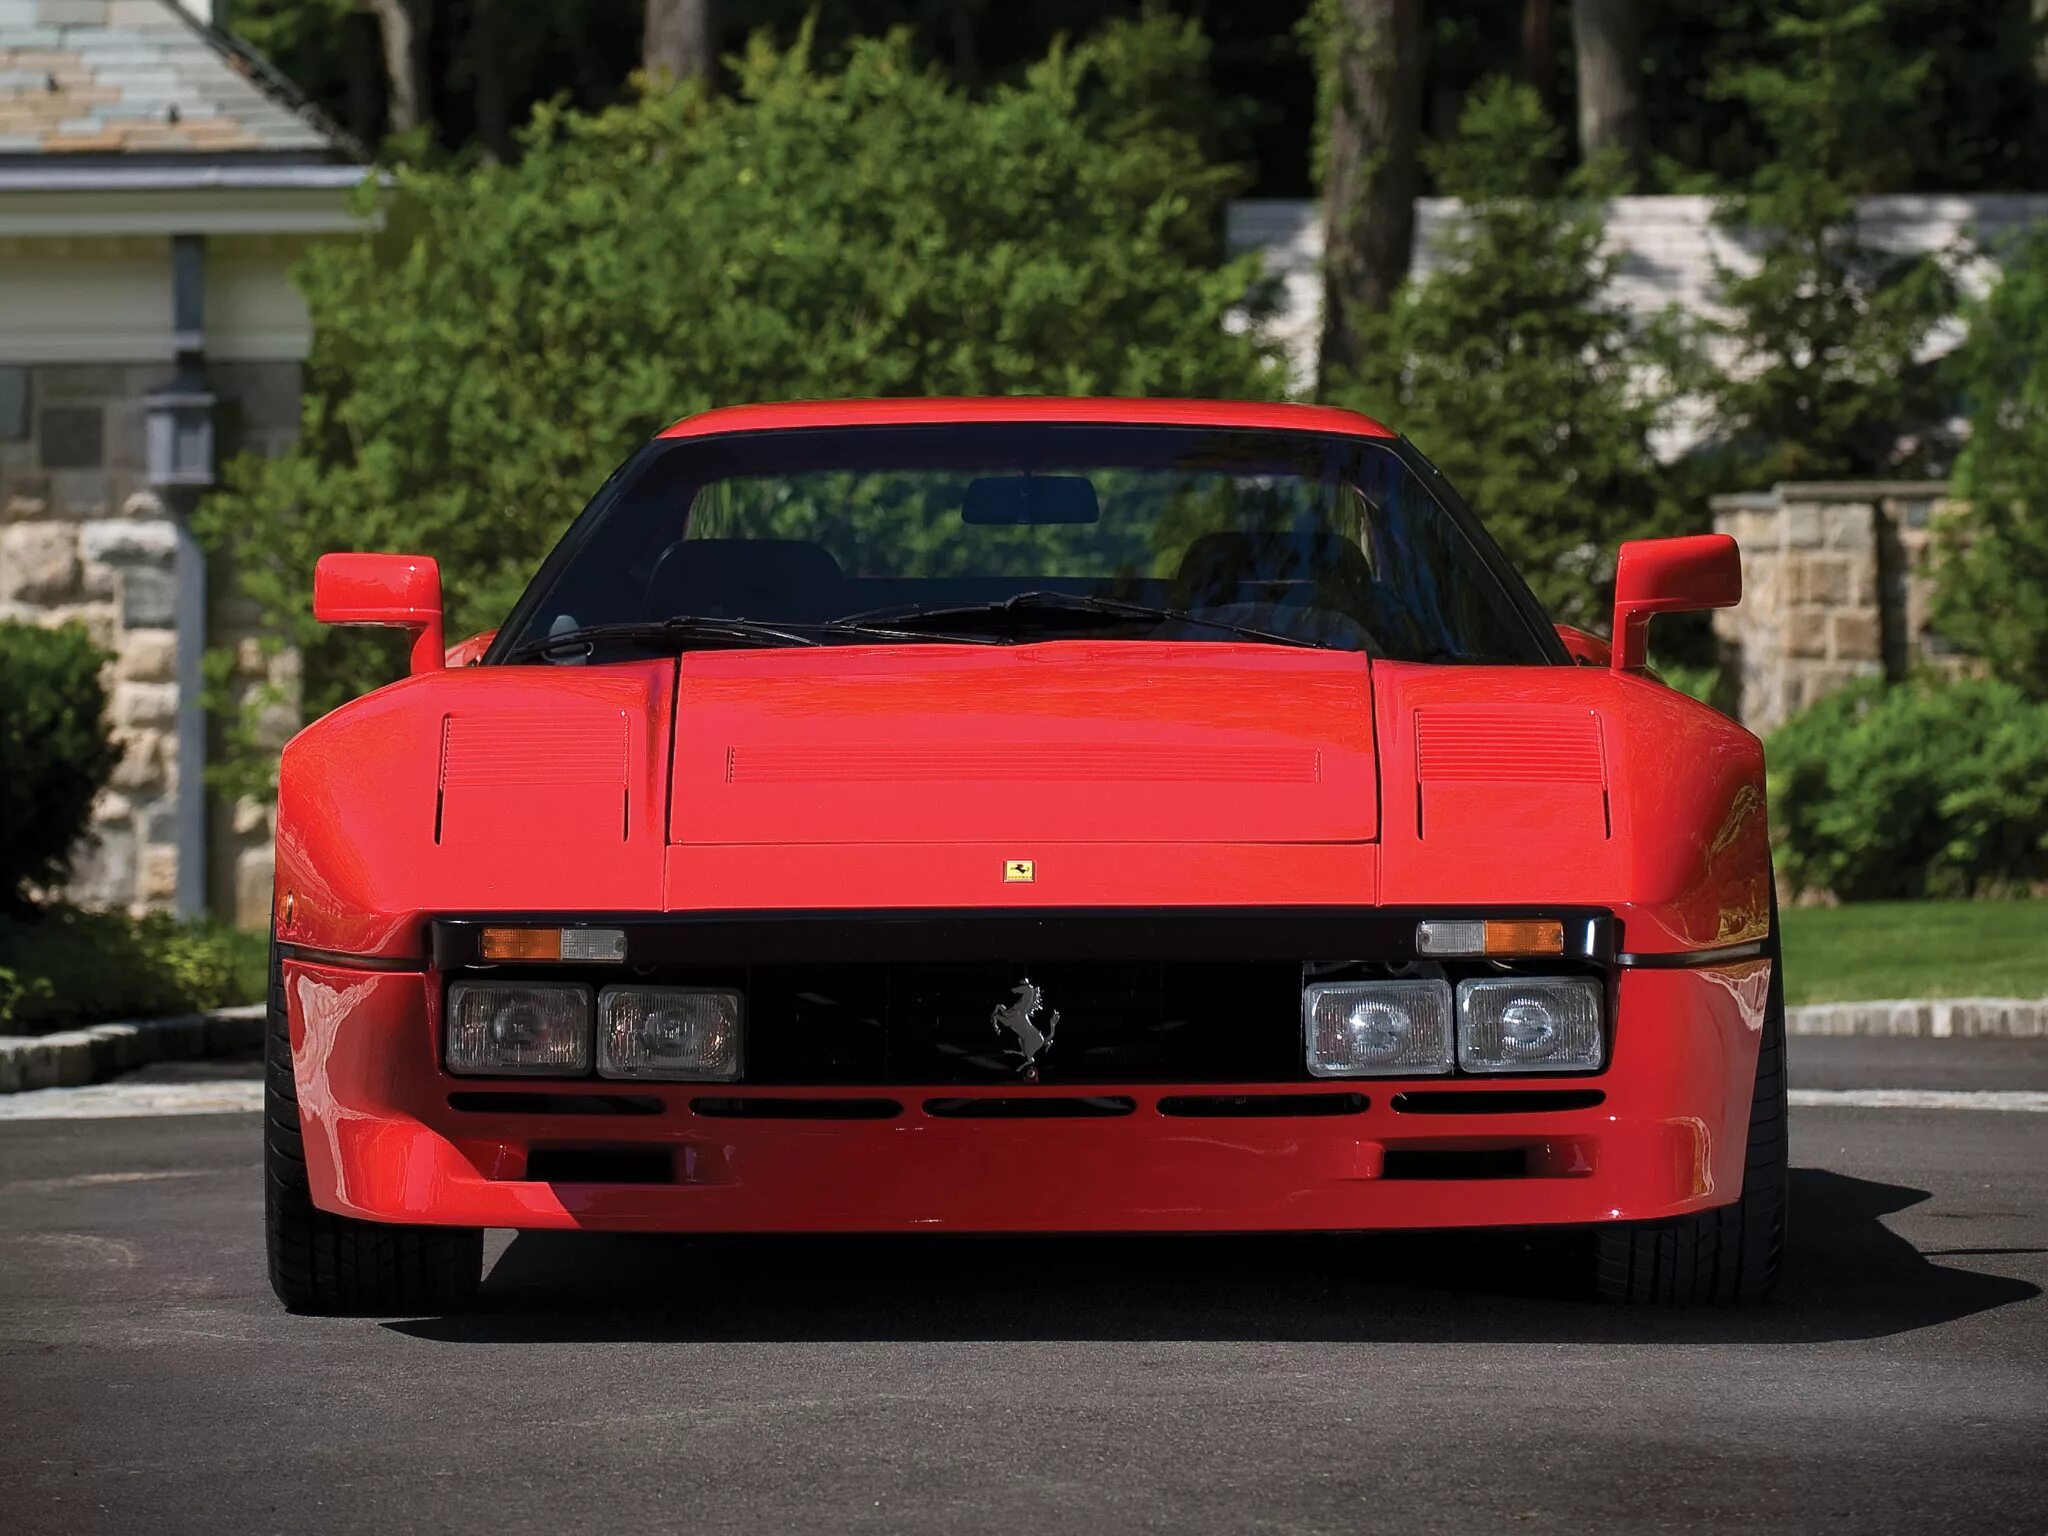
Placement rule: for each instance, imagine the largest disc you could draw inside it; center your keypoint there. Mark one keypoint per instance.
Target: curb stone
(2002, 1018)
(71, 1058)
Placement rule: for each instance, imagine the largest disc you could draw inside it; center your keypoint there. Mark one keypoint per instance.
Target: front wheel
(323, 1263)
(1731, 1255)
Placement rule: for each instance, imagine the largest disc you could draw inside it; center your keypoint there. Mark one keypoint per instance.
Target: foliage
(1919, 789)
(1915, 949)
(1977, 123)
(54, 752)
(1511, 367)
(1991, 578)
(515, 330)
(61, 966)
(1825, 375)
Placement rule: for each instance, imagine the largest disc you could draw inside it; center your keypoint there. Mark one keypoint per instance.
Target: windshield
(1011, 533)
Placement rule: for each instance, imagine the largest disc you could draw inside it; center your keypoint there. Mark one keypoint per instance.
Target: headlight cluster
(1415, 1029)
(544, 1028)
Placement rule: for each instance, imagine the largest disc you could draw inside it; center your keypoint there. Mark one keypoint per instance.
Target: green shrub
(54, 751)
(61, 966)
(483, 361)
(1991, 580)
(1922, 789)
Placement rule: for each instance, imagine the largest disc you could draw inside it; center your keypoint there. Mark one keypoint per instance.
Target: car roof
(1021, 408)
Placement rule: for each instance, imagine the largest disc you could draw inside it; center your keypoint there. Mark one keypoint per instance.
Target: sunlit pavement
(1900, 1382)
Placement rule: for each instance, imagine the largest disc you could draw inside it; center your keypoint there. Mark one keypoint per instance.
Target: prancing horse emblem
(1019, 1018)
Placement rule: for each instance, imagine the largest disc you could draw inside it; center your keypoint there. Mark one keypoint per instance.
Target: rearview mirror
(1657, 576)
(1022, 500)
(396, 591)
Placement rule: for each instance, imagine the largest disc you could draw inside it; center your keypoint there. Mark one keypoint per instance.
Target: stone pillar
(1836, 586)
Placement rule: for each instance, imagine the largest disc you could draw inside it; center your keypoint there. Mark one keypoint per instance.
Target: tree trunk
(1607, 36)
(961, 16)
(1369, 170)
(405, 25)
(489, 52)
(362, 64)
(1539, 49)
(679, 42)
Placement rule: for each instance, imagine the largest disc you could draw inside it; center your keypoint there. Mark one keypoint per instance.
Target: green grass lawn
(1882, 949)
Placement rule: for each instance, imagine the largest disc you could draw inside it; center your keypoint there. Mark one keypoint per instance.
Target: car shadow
(1847, 1277)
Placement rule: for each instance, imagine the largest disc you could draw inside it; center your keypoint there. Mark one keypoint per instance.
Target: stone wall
(1836, 586)
(83, 537)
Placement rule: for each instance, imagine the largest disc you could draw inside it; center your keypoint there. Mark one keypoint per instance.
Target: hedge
(54, 751)
(61, 966)
(1925, 788)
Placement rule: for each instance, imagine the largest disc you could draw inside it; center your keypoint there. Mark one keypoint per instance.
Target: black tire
(1731, 1255)
(337, 1265)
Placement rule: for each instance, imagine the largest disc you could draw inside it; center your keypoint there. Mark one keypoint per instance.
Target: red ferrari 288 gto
(1024, 815)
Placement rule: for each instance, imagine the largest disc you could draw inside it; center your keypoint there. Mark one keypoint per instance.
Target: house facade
(157, 184)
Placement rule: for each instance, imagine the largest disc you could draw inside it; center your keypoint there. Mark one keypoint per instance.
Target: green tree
(515, 330)
(1824, 372)
(1992, 567)
(1510, 366)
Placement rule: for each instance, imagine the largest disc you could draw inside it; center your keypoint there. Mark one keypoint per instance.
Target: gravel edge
(71, 1058)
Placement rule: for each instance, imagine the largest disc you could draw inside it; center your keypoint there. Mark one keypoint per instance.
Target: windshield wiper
(668, 632)
(664, 632)
(908, 615)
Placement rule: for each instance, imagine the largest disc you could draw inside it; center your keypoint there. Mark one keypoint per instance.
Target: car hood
(1069, 741)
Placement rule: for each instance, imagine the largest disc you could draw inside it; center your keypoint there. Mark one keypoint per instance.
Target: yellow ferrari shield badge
(1019, 871)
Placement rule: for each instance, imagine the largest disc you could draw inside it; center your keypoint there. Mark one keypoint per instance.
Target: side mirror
(1669, 576)
(398, 591)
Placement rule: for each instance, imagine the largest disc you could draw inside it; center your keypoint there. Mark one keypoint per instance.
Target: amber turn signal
(521, 944)
(1525, 938)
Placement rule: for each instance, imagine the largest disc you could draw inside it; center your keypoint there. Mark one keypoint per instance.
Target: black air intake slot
(601, 1165)
(1261, 1106)
(1506, 1101)
(1502, 1163)
(796, 1109)
(1101, 1106)
(554, 1104)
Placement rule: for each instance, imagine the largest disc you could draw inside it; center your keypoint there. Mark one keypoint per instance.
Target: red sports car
(1024, 816)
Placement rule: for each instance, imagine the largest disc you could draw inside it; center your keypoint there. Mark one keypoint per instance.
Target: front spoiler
(383, 1141)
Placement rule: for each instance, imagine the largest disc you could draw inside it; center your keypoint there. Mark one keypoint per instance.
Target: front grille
(1194, 995)
(1126, 1022)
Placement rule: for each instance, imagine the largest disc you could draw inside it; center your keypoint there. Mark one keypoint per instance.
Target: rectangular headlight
(1377, 1028)
(1530, 1024)
(689, 1033)
(541, 1028)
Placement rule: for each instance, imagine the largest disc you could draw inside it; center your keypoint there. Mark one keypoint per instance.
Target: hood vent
(1022, 761)
(1518, 746)
(1484, 766)
(521, 780)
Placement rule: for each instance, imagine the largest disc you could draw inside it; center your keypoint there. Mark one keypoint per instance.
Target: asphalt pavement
(148, 1382)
